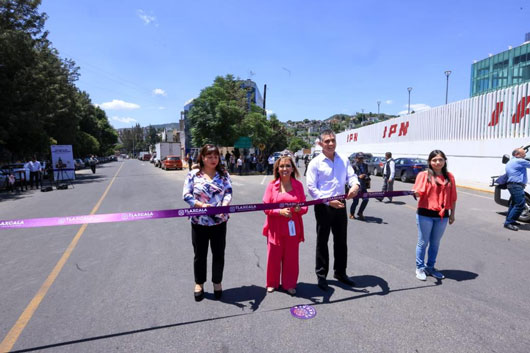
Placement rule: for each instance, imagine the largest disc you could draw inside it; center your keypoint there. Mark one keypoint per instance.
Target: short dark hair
(326, 132)
(388, 154)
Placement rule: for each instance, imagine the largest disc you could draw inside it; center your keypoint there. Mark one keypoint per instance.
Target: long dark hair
(210, 149)
(430, 171)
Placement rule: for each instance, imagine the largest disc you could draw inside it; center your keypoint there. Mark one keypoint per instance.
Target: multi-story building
(511, 67)
(253, 93)
(184, 125)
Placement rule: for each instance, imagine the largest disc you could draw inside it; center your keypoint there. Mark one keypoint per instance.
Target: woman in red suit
(283, 227)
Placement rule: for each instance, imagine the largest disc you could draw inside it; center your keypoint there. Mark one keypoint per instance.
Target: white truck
(164, 149)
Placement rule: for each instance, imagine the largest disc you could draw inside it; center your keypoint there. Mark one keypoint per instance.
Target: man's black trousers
(334, 220)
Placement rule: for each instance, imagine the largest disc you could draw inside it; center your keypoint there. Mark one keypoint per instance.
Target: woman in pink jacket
(283, 227)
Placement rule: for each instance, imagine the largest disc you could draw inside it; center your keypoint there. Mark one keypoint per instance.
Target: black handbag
(367, 182)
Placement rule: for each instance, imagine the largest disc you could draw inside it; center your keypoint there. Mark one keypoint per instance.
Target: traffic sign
(243, 142)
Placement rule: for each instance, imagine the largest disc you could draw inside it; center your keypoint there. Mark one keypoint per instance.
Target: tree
(39, 100)
(93, 121)
(296, 144)
(221, 114)
(152, 136)
(86, 144)
(217, 112)
(278, 140)
(256, 126)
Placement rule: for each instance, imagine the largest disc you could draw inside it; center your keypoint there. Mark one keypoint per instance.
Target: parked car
(276, 155)
(408, 168)
(17, 169)
(171, 162)
(375, 165)
(352, 156)
(78, 163)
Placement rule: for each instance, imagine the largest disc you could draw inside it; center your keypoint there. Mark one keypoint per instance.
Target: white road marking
(265, 177)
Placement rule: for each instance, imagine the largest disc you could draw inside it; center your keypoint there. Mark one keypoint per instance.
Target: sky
(142, 61)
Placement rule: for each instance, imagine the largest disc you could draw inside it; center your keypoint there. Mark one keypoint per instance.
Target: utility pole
(447, 73)
(409, 89)
(264, 99)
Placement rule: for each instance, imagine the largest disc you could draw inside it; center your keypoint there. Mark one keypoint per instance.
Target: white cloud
(415, 107)
(389, 101)
(419, 107)
(269, 112)
(161, 108)
(159, 92)
(147, 19)
(119, 105)
(123, 120)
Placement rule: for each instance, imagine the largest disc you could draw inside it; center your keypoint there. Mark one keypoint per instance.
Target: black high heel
(218, 293)
(199, 295)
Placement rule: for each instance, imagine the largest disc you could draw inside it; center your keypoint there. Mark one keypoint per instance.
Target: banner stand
(62, 176)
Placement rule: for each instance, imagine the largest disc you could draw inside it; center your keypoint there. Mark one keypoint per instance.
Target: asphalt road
(127, 287)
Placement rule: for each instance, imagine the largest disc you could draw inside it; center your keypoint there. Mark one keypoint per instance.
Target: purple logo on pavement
(303, 312)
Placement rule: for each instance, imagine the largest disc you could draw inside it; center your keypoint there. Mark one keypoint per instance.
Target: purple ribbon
(179, 212)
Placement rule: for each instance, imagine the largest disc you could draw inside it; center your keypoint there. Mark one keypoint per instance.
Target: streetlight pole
(447, 73)
(409, 89)
(378, 105)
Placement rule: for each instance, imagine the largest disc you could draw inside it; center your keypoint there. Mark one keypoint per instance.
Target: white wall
(474, 134)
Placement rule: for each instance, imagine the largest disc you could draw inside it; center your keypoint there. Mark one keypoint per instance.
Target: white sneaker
(420, 274)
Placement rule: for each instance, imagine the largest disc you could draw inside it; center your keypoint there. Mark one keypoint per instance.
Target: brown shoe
(352, 216)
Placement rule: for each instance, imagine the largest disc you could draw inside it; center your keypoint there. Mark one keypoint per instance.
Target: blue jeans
(517, 203)
(430, 231)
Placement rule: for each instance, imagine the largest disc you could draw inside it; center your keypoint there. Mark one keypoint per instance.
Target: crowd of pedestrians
(327, 174)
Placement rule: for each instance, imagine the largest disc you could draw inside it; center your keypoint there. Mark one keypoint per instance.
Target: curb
(489, 191)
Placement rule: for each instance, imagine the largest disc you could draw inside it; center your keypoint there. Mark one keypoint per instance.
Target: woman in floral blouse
(208, 186)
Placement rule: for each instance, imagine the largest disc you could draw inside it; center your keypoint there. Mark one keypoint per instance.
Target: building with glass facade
(511, 67)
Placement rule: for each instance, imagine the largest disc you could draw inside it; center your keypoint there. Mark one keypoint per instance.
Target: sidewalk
(483, 186)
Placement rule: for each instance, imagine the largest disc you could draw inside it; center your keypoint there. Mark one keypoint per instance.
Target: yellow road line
(13, 334)
(411, 207)
(490, 191)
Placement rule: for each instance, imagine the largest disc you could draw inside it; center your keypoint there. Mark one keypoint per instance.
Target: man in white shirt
(389, 172)
(270, 164)
(35, 169)
(240, 165)
(327, 174)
